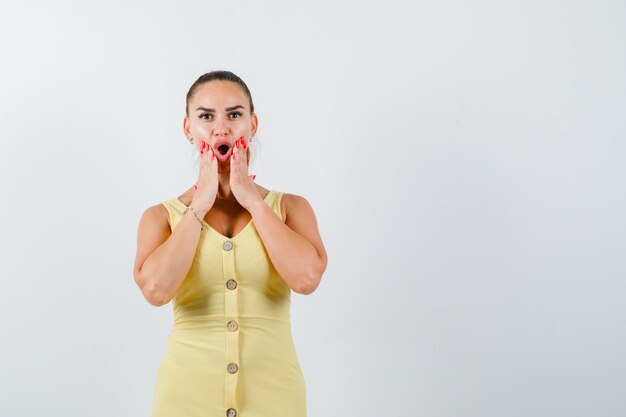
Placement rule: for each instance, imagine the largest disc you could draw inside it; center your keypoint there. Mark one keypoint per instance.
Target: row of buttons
(232, 325)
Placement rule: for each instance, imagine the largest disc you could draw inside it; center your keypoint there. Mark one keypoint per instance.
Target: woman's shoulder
(156, 217)
(293, 203)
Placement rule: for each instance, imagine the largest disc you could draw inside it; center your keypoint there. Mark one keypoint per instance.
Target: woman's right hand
(206, 187)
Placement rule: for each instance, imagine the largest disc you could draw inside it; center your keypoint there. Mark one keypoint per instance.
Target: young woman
(228, 252)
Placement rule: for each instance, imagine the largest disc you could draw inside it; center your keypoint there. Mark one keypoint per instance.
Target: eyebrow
(227, 108)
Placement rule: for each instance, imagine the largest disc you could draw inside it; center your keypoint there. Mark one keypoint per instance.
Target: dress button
(228, 245)
(232, 368)
(231, 284)
(231, 412)
(232, 325)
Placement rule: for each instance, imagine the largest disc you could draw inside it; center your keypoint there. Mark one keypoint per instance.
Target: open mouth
(223, 149)
(223, 152)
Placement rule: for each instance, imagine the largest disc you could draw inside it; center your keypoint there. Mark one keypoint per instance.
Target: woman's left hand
(241, 183)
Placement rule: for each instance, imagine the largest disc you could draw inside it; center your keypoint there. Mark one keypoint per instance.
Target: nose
(220, 127)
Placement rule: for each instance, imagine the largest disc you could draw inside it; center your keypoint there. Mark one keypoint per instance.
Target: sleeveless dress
(230, 352)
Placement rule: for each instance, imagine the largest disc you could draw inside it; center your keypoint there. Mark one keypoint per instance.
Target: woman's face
(219, 114)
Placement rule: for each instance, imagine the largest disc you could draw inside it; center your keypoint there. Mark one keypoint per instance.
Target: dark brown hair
(218, 75)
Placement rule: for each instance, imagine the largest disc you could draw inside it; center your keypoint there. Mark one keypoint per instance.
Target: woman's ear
(254, 123)
(187, 127)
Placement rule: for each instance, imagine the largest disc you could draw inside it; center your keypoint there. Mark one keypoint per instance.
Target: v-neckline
(208, 226)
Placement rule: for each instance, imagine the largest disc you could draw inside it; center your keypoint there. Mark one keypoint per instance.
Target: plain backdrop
(465, 161)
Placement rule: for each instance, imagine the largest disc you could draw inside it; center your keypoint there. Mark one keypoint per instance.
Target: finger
(236, 168)
(233, 157)
(242, 154)
(215, 162)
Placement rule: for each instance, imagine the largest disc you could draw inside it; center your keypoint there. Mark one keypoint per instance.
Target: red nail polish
(245, 143)
(253, 177)
(195, 187)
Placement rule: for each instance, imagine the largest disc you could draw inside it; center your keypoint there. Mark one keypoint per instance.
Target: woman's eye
(238, 114)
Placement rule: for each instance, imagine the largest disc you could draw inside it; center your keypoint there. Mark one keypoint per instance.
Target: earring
(190, 140)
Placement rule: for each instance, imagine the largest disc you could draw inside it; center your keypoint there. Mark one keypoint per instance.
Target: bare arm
(294, 247)
(164, 257)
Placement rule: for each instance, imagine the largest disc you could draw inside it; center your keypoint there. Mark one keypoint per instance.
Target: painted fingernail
(252, 177)
(245, 143)
(195, 187)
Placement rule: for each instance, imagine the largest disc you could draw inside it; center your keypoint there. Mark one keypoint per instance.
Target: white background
(465, 161)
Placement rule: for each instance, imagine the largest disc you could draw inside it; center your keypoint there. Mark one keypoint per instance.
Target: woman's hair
(218, 76)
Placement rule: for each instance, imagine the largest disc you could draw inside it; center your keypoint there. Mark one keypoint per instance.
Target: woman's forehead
(219, 102)
(219, 95)
(220, 90)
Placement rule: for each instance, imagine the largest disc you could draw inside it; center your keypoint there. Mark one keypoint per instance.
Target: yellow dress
(230, 352)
